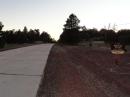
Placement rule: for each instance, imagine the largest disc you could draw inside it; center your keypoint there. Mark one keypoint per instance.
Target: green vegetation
(74, 34)
(70, 33)
(2, 40)
(12, 37)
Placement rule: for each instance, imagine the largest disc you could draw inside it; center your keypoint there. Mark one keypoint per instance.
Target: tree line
(24, 36)
(73, 33)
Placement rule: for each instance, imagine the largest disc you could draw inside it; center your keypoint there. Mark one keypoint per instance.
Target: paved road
(21, 70)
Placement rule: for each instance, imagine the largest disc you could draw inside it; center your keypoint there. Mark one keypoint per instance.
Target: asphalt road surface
(21, 70)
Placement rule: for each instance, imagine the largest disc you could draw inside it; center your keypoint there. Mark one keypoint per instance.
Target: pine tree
(72, 22)
(70, 33)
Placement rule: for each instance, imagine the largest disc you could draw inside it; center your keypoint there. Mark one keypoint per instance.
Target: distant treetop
(1, 26)
(72, 22)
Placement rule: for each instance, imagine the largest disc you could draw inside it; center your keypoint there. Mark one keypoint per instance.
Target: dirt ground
(78, 71)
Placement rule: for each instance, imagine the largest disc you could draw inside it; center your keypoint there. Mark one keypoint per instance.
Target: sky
(50, 15)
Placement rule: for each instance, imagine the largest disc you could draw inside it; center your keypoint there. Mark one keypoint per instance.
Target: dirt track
(76, 71)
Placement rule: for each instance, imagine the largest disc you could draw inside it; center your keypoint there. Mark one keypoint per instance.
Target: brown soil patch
(77, 71)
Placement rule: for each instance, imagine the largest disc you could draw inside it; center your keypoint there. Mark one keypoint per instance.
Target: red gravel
(76, 71)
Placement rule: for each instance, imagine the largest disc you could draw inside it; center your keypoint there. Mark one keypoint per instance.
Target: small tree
(31, 36)
(70, 33)
(24, 35)
(37, 34)
(2, 41)
(124, 36)
(1, 26)
(45, 37)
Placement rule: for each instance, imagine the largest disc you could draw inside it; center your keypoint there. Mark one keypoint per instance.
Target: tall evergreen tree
(24, 35)
(72, 22)
(70, 33)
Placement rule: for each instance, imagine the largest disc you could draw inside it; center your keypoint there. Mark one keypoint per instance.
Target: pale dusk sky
(50, 15)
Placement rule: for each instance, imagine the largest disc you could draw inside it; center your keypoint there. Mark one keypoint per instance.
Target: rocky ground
(78, 71)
